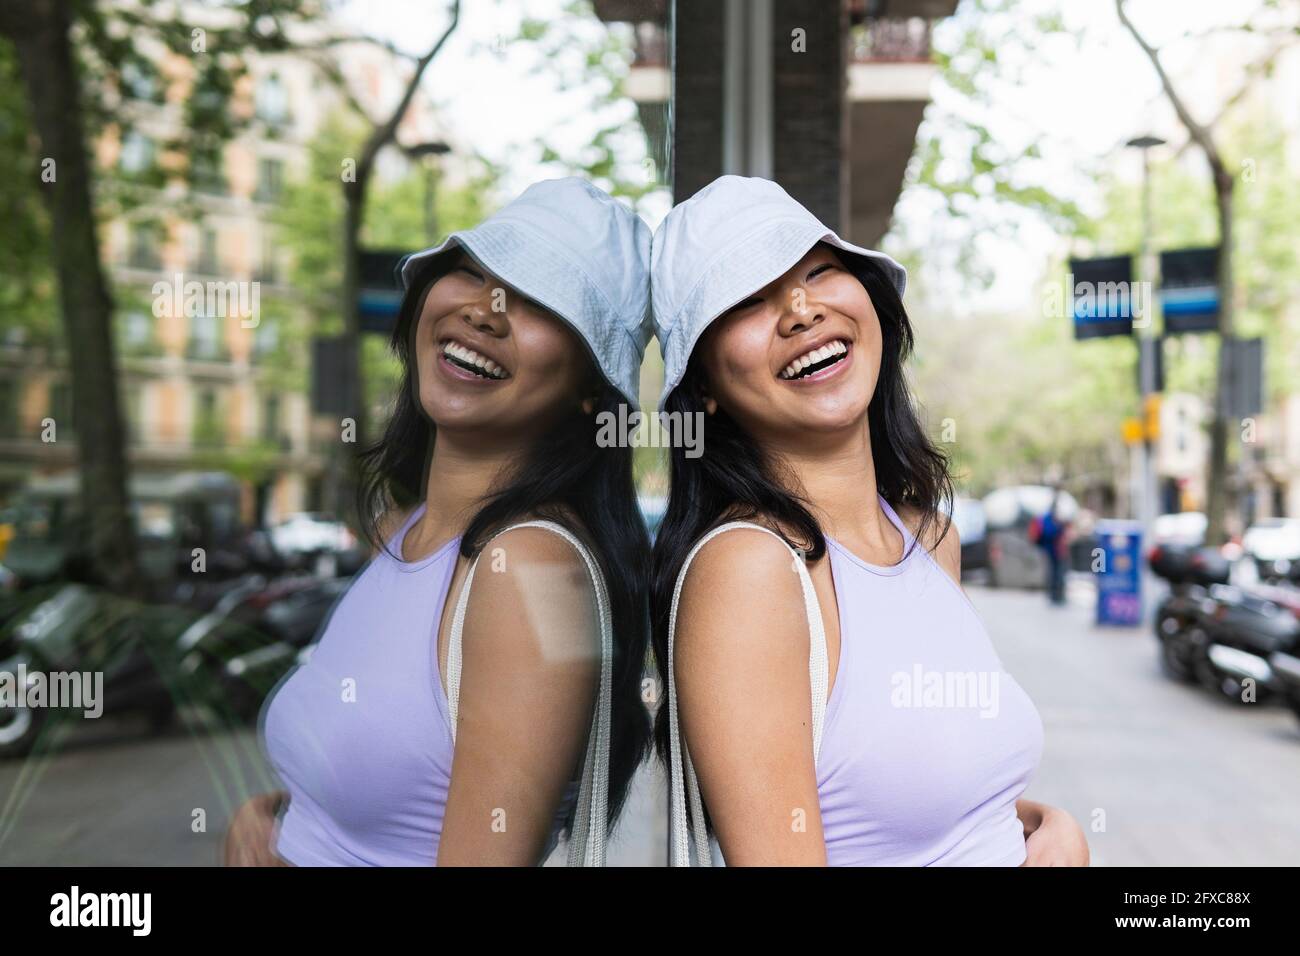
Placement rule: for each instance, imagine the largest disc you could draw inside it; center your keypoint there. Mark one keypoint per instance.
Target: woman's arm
(529, 676)
(252, 829)
(1052, 837)
(744, 700)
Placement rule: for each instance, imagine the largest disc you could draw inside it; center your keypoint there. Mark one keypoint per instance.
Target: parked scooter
(1222, 636)
(77, 630)
(252, 637)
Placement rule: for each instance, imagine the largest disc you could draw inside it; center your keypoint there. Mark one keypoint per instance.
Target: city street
(1155, 772)
(1174, 776)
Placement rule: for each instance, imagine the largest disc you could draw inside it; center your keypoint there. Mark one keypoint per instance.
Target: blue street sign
(1100, 294)
(1189, 289)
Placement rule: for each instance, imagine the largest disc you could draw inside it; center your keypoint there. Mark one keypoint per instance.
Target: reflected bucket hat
(578, 252)
(719, 247)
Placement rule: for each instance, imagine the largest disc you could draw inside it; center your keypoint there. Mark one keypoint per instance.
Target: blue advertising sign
(1189, 289)
(1119, 579)
(1100, 296)
(379, 295)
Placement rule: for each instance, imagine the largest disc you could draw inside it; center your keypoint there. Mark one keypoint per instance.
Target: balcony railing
(206, 350)
(892, 41)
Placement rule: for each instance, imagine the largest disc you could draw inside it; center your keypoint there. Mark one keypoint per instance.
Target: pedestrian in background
(1052, 534)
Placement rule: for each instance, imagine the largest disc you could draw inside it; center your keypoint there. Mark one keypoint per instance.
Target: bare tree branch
(383, 133)
(328, 43)
(332, 71)
(1200, 134)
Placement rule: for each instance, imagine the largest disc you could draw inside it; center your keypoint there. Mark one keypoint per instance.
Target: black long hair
(564, 476)
(736, 479)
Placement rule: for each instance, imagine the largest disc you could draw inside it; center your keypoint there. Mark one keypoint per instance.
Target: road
(1157, 773)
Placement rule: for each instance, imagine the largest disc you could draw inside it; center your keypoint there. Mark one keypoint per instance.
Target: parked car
(1183, 528)
(1013, 560)
(972, 529)
(1274, 546)
(310, 533)
(173, 514)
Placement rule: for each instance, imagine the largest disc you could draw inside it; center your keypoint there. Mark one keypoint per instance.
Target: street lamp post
(421, 151)
(1148, 344)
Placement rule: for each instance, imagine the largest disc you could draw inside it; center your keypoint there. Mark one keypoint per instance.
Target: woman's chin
(827, 414)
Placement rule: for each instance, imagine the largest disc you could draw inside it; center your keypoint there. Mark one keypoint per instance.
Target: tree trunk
(41, 37)
(1221, 429)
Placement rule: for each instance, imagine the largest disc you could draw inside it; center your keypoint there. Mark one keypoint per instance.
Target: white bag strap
(587, 840)
(682, 774)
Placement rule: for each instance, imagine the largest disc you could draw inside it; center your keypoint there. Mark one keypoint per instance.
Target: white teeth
(470, 357)
(812, 358)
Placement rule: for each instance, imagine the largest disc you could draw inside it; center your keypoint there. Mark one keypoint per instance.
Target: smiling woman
(451, 718)
(784, 643)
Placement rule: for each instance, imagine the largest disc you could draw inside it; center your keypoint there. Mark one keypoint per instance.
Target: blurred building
(1181, 452)
(214, 389)
(824, 96)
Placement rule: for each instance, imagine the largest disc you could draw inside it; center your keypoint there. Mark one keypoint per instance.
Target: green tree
(309, 217)
(81, 65)
(1223, 175)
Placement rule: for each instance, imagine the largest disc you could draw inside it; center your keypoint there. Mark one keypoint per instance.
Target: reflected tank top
(360, 734)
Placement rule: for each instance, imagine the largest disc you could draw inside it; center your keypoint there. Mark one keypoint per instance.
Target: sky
(1079, 99)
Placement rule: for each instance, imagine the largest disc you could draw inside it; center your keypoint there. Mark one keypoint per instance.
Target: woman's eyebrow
(743, 303)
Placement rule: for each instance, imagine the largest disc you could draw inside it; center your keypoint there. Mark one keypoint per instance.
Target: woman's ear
(702, 393)
(588, 405)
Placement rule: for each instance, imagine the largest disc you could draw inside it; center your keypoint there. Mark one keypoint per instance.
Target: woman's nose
(799, 313)
(488, 313)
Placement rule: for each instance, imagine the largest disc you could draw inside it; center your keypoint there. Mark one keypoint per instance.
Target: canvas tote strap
(683, 782)
(587, 841)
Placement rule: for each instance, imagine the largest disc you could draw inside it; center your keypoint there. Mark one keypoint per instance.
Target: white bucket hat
(723, 244)
(580, 253)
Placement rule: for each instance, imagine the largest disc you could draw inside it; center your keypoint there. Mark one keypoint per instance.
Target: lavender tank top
(927, 742)
(360, 734)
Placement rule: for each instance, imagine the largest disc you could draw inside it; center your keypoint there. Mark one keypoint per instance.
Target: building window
(270, 180)
(9, 407)
(266, 339)
(207, 175)
(140, 81)
(137, 332)
(144, 246)
(272, 101)
(268, 269)
(271, 419)
(208, 429)
(137, 153)
(208, 262)
(206, 344)
(133, 400)
(61, 409)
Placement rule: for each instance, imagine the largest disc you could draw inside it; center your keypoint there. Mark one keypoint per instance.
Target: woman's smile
(464, 363)
(819, 363)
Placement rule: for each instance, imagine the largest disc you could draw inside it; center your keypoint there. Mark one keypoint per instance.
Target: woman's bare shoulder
(940, 538)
